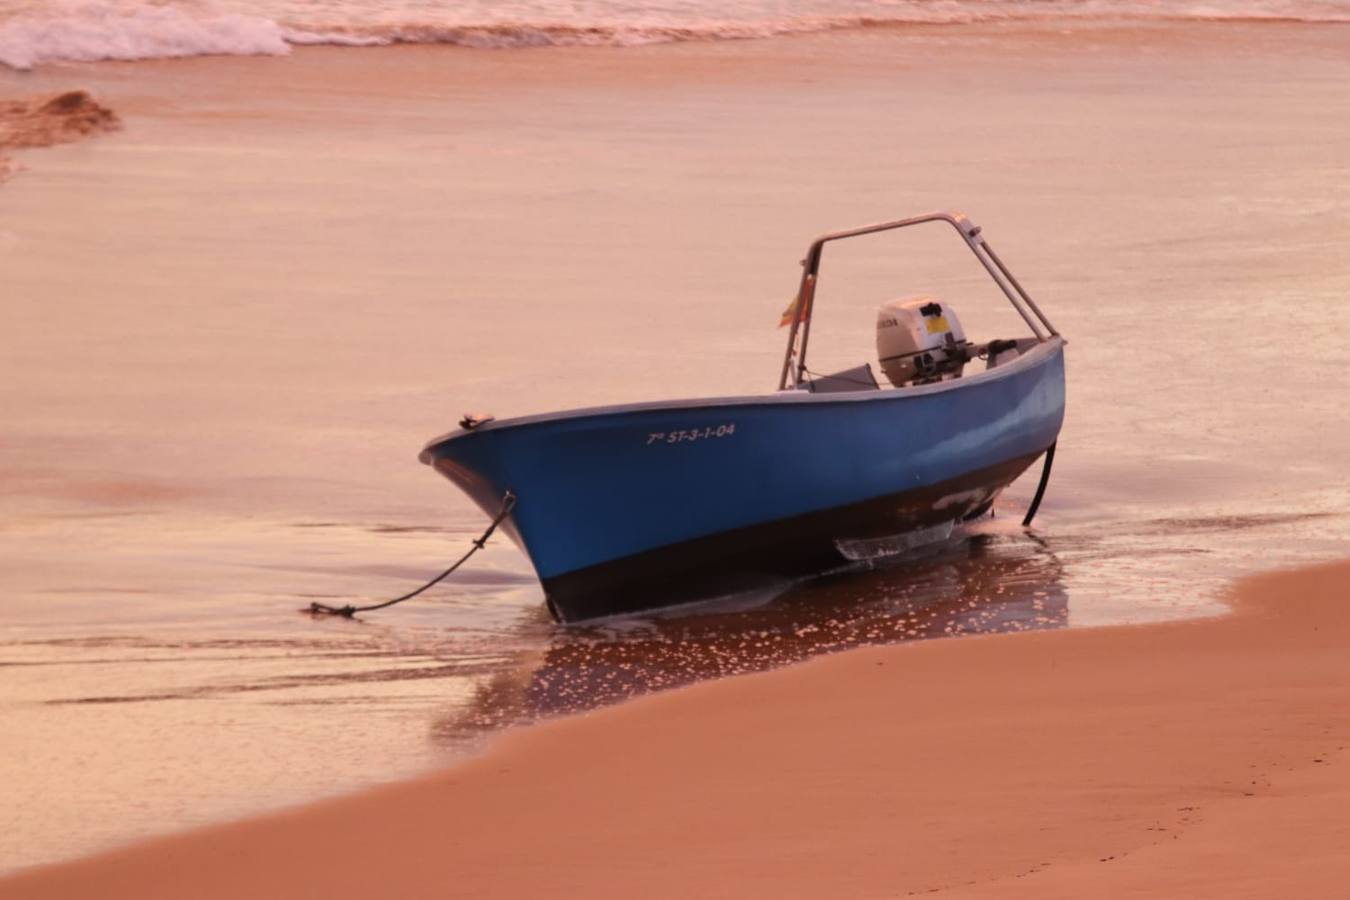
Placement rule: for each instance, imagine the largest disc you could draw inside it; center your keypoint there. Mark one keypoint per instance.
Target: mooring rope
(508, 504)
(1040, 488)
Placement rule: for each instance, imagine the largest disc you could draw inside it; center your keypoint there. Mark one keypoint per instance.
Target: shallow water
(228, 329)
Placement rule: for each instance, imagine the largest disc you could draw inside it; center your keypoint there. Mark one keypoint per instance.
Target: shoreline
(512, 37)
(1202, 755)
(1063, 36)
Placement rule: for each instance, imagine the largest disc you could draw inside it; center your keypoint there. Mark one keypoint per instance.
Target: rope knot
(346, 612)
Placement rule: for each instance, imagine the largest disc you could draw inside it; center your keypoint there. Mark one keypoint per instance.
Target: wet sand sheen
(1201, 758)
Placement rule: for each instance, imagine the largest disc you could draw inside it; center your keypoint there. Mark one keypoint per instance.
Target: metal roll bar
(800, 332)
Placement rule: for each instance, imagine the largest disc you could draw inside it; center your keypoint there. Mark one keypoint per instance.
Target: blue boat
(628, 508)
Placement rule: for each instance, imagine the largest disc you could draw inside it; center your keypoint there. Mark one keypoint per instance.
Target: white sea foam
(98, 32)
(39, 31)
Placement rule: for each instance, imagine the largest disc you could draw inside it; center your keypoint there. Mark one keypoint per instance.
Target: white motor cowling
(919, 340)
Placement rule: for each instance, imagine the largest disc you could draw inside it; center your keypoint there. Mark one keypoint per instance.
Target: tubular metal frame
(800, 332)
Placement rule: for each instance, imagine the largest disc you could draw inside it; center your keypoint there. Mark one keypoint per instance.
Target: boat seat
(859, 378)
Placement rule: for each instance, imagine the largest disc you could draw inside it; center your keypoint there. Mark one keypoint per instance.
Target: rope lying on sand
(508, 504)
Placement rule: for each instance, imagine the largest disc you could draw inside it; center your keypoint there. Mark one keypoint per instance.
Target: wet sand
(1185, 759)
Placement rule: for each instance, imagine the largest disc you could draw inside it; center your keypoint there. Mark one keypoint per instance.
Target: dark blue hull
(629, 508)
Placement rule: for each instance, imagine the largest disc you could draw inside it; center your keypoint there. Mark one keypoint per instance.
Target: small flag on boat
(796, 309)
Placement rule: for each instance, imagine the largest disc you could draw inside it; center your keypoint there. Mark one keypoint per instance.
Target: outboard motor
(920, 341)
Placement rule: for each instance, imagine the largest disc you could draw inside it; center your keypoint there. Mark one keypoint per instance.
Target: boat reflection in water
(982, 580)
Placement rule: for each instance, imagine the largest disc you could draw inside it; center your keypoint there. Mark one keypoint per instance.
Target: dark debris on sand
(60, 119)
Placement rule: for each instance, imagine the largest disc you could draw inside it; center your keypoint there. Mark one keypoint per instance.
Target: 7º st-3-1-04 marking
(694, 434)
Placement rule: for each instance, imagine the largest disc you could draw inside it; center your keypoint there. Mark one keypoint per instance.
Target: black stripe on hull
(745, 558)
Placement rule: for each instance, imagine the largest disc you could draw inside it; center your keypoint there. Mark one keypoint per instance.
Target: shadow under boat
(979, 581)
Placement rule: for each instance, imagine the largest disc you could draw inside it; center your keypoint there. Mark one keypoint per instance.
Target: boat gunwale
(1033, 356)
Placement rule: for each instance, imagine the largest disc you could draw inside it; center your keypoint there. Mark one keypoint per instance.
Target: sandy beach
(1194, 759)
(228, 325)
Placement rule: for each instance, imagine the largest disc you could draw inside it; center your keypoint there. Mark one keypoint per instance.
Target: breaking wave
(125, 30)
(92, 33)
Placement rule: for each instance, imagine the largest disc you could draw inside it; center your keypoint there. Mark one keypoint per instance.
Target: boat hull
(761, 555)
(624, 509)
